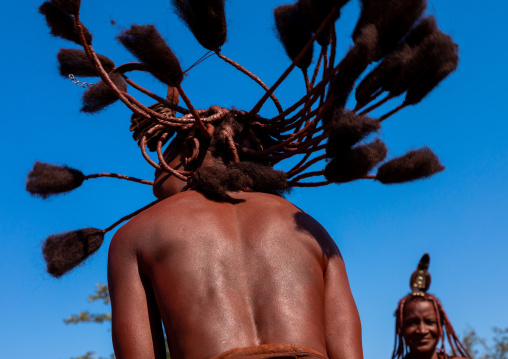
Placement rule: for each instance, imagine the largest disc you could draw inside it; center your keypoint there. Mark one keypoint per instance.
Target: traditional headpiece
(419, 284)
(420, 279)
(332, 141)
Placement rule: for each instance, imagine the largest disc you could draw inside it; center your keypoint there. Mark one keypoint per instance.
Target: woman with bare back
(252, 274)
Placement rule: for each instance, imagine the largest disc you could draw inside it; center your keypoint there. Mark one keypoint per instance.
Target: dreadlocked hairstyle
(419, 283)
(333, 143)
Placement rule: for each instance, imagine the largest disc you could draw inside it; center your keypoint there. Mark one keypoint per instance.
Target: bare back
(228, 276)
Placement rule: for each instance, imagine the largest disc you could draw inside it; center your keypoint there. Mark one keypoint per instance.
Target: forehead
(420, 308)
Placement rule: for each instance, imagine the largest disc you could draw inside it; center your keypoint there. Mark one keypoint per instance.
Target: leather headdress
(420, 279)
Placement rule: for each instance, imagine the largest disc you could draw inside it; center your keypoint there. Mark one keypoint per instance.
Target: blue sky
(459, 216)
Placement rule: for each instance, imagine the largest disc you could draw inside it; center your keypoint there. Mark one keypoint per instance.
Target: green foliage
(471, 342)
(91, 355)
(479, 348)
(86, 317)
(101, 294)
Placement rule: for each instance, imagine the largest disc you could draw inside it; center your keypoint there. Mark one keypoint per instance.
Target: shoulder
(127, 237)
(176, 206)
(161, 217)
(274, 206)
(123, 244)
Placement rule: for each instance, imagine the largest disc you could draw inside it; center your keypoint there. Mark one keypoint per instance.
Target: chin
(423, 349)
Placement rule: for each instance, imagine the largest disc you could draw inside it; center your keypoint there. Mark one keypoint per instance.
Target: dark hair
(446, 331)
(333, 143)
(235, 170)
(302, 129)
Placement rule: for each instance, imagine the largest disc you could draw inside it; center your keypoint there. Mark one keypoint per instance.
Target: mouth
(422, 340)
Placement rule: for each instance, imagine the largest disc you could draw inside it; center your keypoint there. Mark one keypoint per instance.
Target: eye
(410, 322)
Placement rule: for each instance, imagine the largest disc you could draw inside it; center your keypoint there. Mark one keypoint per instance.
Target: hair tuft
(316, 11)
(68, 6)
(426, 27)
(346, 129)
(383, 77)
(413, 165)
(62, 24)
(98, 96)
(206, 19)
(293, 32)
(392, 18)
(46, 179)
(355, 162)
(216, 181)
(146, 43)
(397, 70)
(75, 61)
(63, 252)
(353, 65)
(436, 58)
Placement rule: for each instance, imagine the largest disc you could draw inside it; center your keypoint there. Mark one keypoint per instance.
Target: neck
(427, 355)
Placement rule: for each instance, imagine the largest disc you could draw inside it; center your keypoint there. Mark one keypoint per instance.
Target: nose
(422, 329)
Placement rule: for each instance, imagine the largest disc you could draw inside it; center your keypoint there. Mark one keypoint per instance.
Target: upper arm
(342, 321)
(136, 324)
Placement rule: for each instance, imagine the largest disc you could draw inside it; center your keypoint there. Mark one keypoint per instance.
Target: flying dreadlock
(419, 284)
(332, 142)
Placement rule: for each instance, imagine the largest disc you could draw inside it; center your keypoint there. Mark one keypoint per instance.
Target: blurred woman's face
(420, 328)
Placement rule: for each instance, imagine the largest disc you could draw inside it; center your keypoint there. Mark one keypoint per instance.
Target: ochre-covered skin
(224, 276)
(420, 330)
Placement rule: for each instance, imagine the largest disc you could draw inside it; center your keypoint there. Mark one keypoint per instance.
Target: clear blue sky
(459, 216)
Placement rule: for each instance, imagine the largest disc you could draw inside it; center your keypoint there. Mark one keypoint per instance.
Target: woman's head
(420, 324)
(182, 154)
(216, 165)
